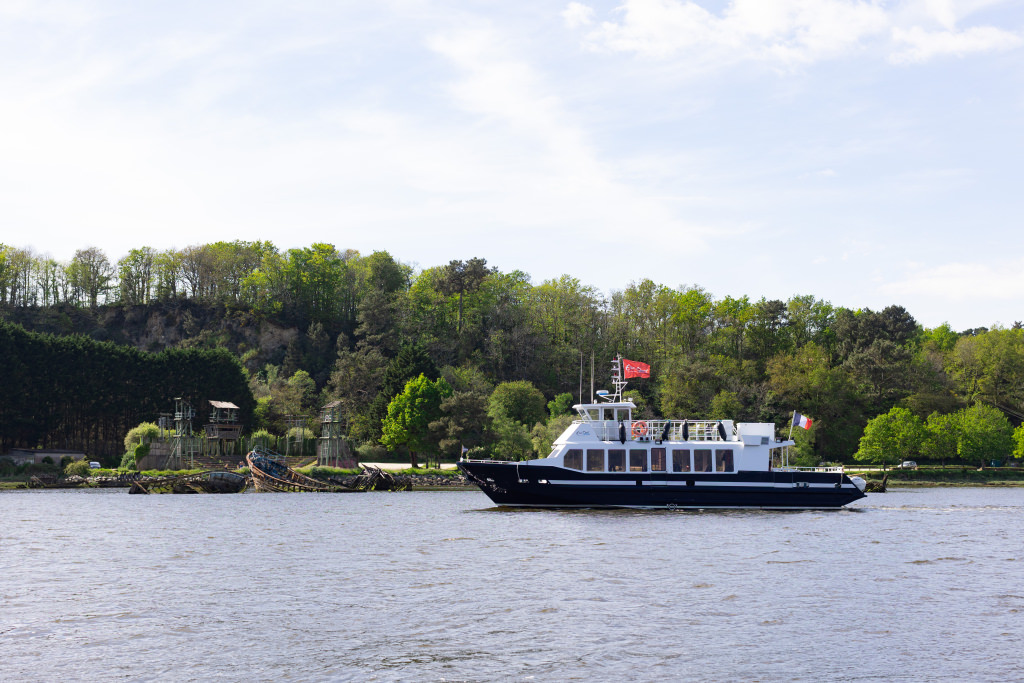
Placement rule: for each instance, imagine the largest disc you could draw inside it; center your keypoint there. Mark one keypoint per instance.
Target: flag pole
(791, 421)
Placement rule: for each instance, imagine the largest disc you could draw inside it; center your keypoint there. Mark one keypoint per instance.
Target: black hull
(540, 486)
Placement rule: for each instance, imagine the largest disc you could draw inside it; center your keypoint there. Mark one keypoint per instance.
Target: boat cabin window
(616, 460)
(701, 459)
(637, 459)
(657, 460)
(574, 459)
(622, 414)
(723, 460)
(590, 414)
(680, 460)
(595, 460)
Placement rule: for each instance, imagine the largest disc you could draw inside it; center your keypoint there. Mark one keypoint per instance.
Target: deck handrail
(698, 430)
(834, 469)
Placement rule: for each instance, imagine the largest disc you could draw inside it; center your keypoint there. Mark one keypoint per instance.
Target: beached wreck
(272, 475)
(215, 481)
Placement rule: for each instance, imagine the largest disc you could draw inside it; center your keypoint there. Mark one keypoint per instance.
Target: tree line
(371, 324)
(71, 392)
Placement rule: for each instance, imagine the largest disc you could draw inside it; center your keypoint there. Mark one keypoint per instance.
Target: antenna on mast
(617, 381)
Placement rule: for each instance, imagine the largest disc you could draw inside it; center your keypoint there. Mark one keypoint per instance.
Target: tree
(410, 414)
(462, 277)
(519, 401)
(412, 360)
(90, 274)
(726, 405)
(135, 275)
(561, 405)
(985, 434)
(463, 423)
(891, 438)
(942, 435)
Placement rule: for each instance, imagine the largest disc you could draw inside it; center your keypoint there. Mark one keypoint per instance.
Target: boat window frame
(707, 456)
(723, 457)
(685, 452)
(573, 453)
(613, 453)
(587, 456)
(663, 452)
(641, 454)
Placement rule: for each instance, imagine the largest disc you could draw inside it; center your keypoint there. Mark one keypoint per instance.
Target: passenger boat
(606, 458)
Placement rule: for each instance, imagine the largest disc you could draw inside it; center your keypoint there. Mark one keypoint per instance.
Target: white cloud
(916, 45)
(577, 14)
(550, 173)
(962, 282)
(790, 32)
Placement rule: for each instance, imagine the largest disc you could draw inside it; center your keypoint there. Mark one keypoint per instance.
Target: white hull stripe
(682, 484)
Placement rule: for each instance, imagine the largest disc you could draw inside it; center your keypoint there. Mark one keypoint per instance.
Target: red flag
(634, 368)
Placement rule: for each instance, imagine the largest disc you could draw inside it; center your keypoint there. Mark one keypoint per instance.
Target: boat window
(595, 460)
(657, 460)
(616, 460)
(574, 458)
(701, 459)
(592, 414)
(622, 414)
(680, 459)
(723, 460)
(637, 459)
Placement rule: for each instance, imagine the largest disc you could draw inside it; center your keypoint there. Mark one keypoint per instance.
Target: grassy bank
(949, 476)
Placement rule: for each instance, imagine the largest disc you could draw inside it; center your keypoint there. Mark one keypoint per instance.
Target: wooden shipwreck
(215, 481)
(270, 474)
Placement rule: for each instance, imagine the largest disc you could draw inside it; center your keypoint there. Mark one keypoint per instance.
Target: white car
(907, 465)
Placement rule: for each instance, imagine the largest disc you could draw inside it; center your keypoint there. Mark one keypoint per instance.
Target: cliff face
(155, 327)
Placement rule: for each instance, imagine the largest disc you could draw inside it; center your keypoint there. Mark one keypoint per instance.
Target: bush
(130, 460)
(78, 468)
(144, 433)
(371, 452)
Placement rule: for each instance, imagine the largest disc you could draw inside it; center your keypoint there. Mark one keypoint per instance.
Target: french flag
(802, 421)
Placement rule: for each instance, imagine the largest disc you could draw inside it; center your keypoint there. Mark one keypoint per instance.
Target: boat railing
(834, 469)
(654, 430)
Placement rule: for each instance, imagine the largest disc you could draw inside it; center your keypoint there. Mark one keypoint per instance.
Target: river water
(912, 585)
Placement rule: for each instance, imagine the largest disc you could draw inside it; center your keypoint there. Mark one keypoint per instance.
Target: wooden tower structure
(223, 428)
(184, 447)
(331, 446)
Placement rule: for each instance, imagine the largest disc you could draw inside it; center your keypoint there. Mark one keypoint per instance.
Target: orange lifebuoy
(639, 430)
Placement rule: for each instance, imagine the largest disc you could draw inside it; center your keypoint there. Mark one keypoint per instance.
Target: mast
(617, 381)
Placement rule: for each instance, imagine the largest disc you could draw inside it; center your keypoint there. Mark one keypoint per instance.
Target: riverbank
(418, 480)
(930, 477)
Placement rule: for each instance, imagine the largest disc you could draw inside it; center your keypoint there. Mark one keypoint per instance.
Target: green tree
(410, 414)
(985, 434)
(942, 436)
(519, 401)
(463, 422)
(891, 438)
(90, 274)
(462, 277)
(726, 405)
(561, 405)
(135, 275)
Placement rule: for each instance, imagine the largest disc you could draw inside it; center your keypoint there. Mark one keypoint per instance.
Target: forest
(502, 358)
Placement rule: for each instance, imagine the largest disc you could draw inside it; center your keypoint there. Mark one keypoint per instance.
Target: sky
(866, 153)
